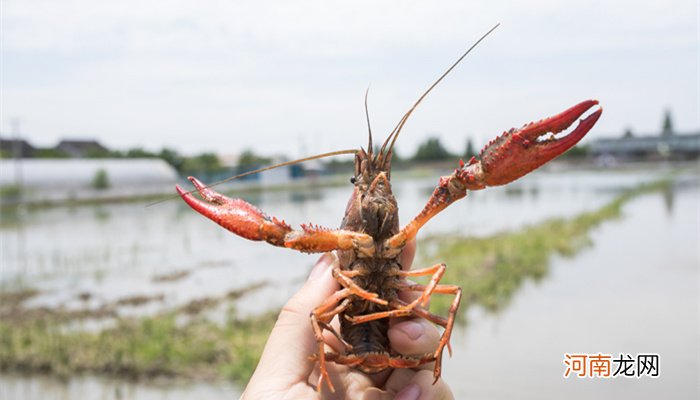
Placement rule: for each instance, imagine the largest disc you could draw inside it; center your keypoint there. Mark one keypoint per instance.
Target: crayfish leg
(448, 324)
(438, 270)
(320, 318)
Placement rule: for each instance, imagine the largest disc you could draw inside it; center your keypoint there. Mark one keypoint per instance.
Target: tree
(469, 152)
(138, 152)
(50, 153)
(102, 153)
(667, 128)
(249, 160)
(173, 158)
(628, 133)
(395, 156)
(580, 151)
(432, 150)
(205, 163)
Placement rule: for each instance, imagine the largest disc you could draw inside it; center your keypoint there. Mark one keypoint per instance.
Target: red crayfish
(370, 240)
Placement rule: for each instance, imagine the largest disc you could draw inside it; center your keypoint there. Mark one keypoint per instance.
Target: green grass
(10, 191)
(138, 348)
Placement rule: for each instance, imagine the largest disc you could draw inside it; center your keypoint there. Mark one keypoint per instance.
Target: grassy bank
(491, 269)
(179, 343)
(138, 347)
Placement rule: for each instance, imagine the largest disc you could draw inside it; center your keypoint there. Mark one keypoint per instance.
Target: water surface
(635, 290)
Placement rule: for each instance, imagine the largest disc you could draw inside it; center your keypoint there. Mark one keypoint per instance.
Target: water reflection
(668, 200)
(634, 291)
(491, 270)
(102, 214)
(311, 195)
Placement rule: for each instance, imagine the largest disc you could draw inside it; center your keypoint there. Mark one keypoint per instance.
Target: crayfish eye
(352, 180)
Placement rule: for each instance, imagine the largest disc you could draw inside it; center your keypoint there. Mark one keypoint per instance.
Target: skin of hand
(285, 371)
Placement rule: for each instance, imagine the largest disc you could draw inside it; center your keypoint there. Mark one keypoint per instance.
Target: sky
(289, 77)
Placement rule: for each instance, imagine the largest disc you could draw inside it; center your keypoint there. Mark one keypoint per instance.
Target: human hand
(285, 371)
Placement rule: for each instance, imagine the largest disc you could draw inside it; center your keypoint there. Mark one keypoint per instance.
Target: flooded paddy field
(632, 287)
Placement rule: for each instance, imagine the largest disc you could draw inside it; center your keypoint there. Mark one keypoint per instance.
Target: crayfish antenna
(282, 164)
(369, 127)
(395, 133)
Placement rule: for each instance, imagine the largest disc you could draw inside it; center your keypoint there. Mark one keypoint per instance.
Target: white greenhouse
(56, 179)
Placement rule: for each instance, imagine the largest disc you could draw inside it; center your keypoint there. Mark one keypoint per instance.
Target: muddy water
(634, 291)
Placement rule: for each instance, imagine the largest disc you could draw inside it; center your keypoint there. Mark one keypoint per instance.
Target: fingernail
(412, 329)
(321, 266)
(410, 392)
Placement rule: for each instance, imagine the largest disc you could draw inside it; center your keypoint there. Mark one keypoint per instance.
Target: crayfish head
(368, 166)
(378, 208)
(373, 205)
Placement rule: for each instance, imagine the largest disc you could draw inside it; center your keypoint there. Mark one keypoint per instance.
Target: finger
(410, 295)
(420, 387)
(397, 380)
(292, 341)
(406, 384)
(414, 337)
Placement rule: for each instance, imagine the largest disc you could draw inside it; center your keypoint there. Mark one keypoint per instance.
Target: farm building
(649, 147)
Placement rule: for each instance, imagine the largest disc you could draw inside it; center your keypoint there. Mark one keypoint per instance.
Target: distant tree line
(208, 164)
(205, 164)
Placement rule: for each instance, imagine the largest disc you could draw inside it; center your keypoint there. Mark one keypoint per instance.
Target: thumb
(291, 341)
(318, 286)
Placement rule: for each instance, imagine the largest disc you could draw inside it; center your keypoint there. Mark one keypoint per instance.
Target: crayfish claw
(520, 151)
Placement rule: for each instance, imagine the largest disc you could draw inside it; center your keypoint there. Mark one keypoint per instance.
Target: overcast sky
(289, 76)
